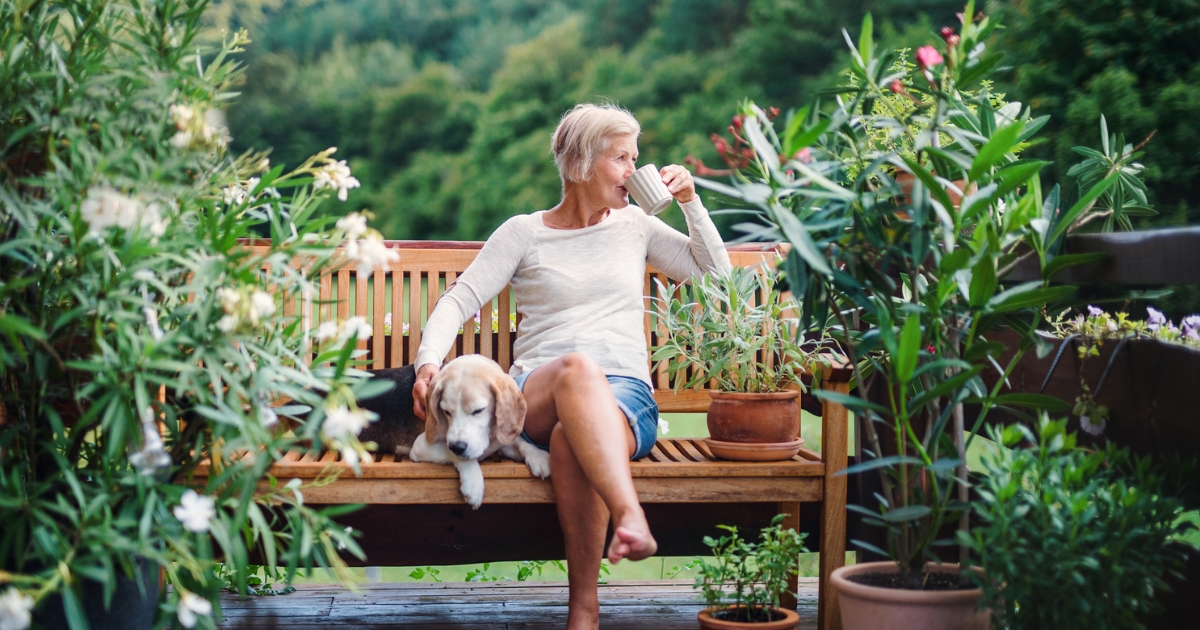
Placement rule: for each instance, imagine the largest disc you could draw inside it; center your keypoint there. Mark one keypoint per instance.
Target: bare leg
(584, 521)
(572, 409)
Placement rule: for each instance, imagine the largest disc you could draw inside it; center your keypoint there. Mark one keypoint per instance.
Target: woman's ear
(436, 423)
(510, 408)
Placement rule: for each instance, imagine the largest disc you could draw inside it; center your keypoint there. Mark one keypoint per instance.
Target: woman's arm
(490, 272)
(486, 276)
(682, 257)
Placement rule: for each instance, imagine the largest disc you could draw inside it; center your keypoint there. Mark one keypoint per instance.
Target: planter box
(1152, 390)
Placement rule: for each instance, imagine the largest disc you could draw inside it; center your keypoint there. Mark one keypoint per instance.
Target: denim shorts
(635, 399)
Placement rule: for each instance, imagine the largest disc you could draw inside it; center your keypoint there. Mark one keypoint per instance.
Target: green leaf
(909, 349)
(1001, 143)
(1068, 260)
(1037, 401)
(1064, 223)
(1016, 175)
(880, 462)
(866, 41)
(906, 513)
(926, 178)
(1027, 295)
(983, 281)
(846, 400)
(793, 142)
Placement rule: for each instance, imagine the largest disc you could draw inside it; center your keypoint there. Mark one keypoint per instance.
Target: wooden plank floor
(627, 605)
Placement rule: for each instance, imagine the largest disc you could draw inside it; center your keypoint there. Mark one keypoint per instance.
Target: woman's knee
(577, 368)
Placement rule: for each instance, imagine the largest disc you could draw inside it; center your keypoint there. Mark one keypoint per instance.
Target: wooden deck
(657, 605)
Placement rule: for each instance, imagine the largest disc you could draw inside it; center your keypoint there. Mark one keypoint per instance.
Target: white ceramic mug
(648, 189)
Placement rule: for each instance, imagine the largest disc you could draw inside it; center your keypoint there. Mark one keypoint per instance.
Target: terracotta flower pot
(872, 608)
(788, 622)
(770, 418)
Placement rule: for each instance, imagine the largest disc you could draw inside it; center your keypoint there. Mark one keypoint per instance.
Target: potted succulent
(737, 332)
(138, 339)
(914, 282)
(1069, 537)
(743, 584)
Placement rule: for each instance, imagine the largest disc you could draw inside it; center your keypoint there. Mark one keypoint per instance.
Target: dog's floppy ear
(436, 423)
(510, 408)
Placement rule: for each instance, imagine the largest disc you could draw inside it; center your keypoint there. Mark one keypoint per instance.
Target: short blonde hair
(585, 134)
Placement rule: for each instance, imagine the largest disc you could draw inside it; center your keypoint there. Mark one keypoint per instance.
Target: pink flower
(804, 155)
(928, 56)
(1094, 312)
(897, 86)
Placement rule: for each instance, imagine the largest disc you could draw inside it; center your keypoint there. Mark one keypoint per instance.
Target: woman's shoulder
(518, 226)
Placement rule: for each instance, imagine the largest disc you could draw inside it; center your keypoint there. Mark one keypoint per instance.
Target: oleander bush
(138, 339)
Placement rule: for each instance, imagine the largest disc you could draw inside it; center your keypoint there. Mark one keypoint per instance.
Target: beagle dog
(473, 409)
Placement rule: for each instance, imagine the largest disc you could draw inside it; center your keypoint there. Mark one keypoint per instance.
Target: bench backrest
(397, 301)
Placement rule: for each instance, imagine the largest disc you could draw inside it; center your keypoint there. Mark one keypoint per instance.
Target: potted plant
(742, 586)
(914, 283)
(737, 332)
(1069, 537)
(138, 339)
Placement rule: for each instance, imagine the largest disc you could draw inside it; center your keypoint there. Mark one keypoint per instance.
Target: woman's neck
(575, 211)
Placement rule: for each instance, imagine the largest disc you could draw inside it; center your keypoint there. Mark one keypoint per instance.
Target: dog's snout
(458, 448)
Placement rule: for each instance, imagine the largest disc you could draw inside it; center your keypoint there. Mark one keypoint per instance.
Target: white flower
(1086, 424)
(227, 324)
(14, 610)
(262, 305)
(190, 607)
(195, 511)
(327, 330)
(182, 115)
(233, 195)
(156, 331)
(350, 456)
(104, 207)
(355, 225)
(341, 545)
(143, 275)
(181, 139)
(335, 175)
(387, 324)
(294, 486)
(341, 422)
(371, 254)
(267, 416)
(1094, 312)
(229, 299)
(356, 326)
(663, 427)
(213, 131)
(153, 457)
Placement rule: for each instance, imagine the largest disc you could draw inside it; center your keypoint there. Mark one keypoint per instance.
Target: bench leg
(792, 522)
(834, 451)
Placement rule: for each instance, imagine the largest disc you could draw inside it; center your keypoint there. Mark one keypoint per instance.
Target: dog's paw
(472, 490)
(538, 462)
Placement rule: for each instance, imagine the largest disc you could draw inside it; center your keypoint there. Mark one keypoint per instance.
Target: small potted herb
(742, 588)
(737, 330)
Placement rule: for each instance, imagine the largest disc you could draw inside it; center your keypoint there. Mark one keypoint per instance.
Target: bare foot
(635, 544)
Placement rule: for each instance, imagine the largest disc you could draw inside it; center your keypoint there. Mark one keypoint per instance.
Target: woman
(580, 355)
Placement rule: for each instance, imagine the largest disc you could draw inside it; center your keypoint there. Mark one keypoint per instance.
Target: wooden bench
(415, 514)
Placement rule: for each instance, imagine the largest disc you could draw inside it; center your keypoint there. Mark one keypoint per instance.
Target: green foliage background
(445, 107)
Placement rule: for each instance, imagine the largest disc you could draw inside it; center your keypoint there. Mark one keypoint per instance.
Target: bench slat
(377, 319)
(686, 489)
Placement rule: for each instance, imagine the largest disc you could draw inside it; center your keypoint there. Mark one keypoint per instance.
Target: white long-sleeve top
(578, 290)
